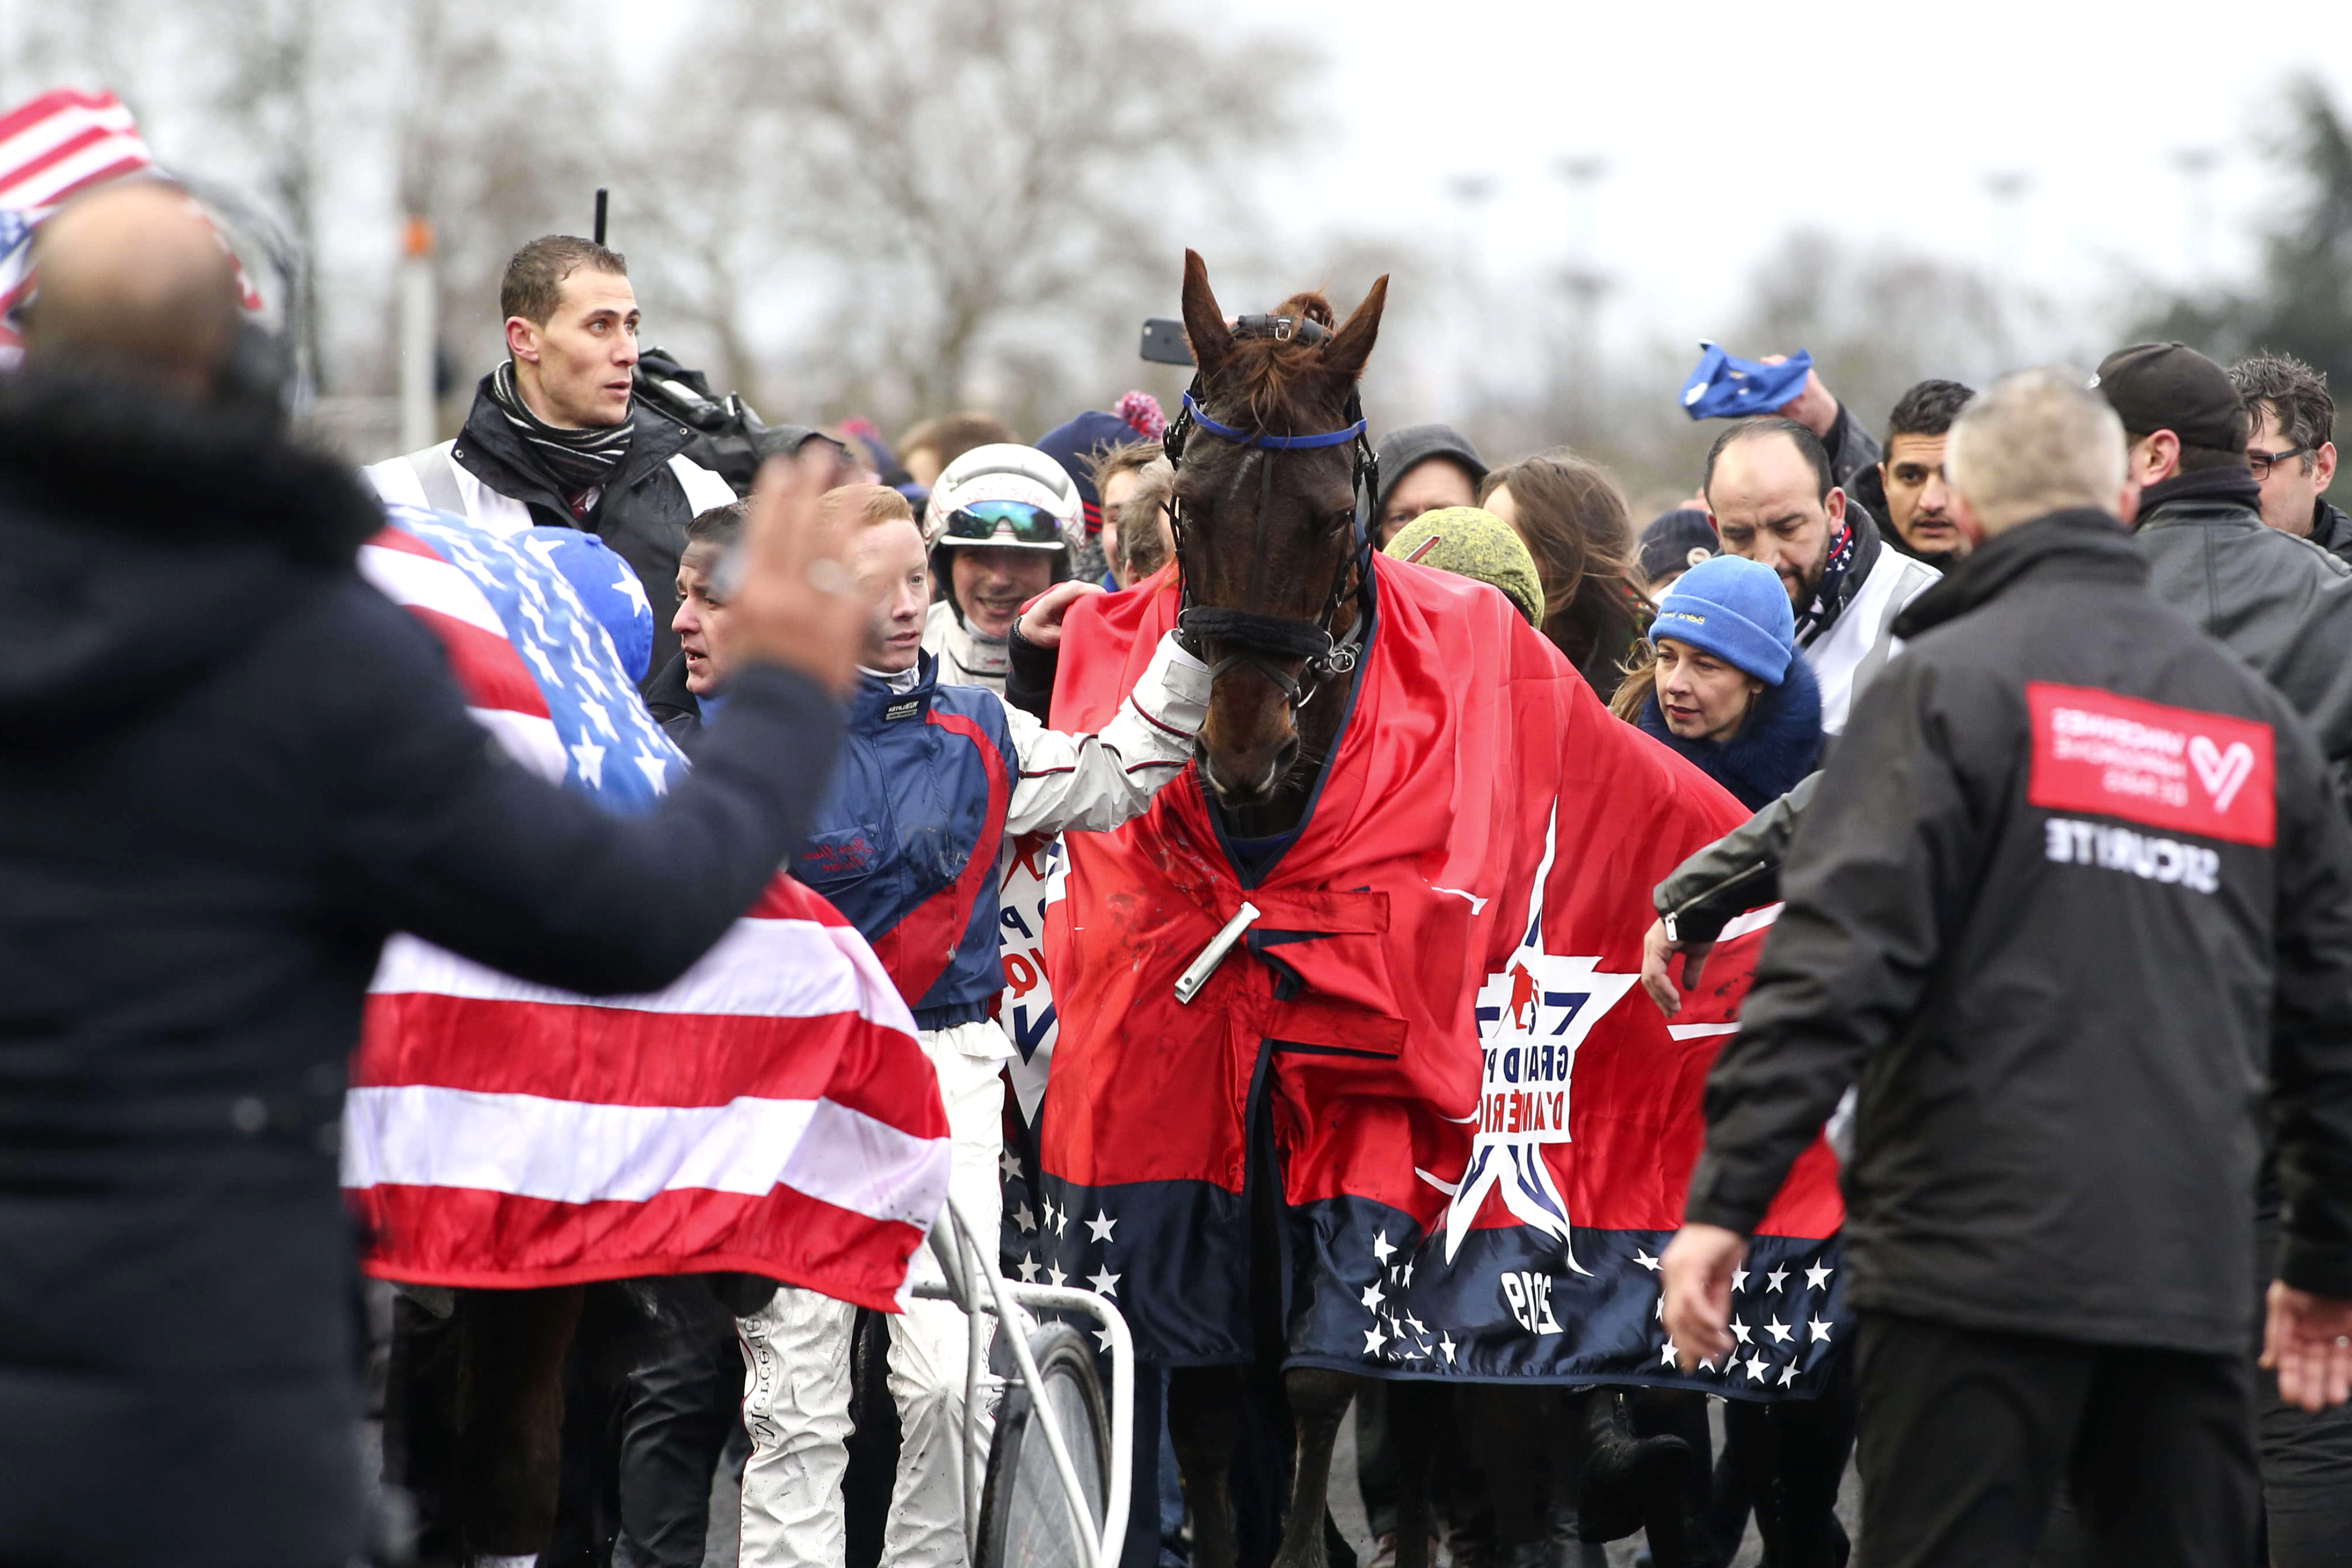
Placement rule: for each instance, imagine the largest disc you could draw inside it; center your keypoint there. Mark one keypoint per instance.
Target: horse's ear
(1204, 325)
(1353, 343)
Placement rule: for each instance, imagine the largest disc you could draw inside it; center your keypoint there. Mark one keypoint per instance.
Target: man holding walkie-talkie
(555, 437)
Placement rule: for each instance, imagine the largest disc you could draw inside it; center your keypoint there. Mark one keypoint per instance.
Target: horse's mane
(1286, 387)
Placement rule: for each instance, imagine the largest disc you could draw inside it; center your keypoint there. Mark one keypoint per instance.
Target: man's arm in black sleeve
(2311, 1022)
(1029, 675)
(440, 835)
(1881, 856)
(1739, 872)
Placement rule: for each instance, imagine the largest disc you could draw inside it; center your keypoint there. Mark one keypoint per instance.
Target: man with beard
(2291, 422)
(555, 437)
(1769, 488)
(1905, 489)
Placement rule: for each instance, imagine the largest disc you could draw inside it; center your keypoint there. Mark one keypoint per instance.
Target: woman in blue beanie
(1721, 681)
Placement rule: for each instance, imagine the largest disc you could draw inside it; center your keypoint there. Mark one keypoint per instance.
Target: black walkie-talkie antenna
(600, 215)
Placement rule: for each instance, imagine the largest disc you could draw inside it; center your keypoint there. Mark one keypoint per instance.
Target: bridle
(1263, 638)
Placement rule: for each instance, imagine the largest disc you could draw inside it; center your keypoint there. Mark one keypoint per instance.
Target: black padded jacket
(2068, 1010)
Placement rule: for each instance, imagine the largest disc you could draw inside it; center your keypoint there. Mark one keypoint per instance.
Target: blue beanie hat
(1735, 609)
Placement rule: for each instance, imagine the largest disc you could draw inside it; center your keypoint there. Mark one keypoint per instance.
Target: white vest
(437, 481)
(1861, 639)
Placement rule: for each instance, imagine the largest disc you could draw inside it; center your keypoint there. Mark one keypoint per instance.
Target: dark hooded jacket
(228, 768)
(2061, 998)
(2331, 530)
(1773, 749)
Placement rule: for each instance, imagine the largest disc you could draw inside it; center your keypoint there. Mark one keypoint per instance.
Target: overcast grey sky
(1724, 126)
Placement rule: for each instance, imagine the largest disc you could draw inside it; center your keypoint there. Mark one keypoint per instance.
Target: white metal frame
(965, 1263)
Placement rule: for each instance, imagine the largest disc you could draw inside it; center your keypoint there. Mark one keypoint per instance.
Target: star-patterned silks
(1101, 1225)
(1817, 1277)
(1821, 1331)
(1778, 1331)
(1645, 1260)
(1775, 1279)
(1028, 1269)
(1026, 1220)
(1104, 1283)
(629, 588)
(1006, 1165)
(592, 705)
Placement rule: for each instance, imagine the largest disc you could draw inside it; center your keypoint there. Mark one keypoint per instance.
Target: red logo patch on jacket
(2203, 774)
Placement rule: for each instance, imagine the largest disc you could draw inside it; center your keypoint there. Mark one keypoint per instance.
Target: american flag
(52, 148)
(771, 1111)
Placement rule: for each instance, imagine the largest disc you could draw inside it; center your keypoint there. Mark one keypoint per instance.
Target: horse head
(1269, 453)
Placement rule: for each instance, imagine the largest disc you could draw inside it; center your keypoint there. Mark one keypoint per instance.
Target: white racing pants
(796, 1392)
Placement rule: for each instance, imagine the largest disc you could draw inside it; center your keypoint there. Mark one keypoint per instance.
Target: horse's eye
(1340, 521)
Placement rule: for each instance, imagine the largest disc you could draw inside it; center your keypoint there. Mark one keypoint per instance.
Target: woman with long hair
(1573, 518)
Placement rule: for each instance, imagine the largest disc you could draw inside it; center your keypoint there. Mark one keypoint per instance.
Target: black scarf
(576, 460)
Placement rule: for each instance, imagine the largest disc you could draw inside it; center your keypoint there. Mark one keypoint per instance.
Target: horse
(1271, 466)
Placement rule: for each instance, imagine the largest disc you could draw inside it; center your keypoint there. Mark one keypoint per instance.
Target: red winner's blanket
(1433, 1032)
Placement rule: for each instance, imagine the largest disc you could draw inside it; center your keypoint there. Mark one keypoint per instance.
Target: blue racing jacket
(934, 780)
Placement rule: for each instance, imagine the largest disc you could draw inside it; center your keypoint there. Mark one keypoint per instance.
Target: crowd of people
(2040, 697)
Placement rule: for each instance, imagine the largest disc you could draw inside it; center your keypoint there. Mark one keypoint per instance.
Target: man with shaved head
(228, 768)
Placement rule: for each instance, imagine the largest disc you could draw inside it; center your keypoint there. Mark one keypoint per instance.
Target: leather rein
(1261, 638)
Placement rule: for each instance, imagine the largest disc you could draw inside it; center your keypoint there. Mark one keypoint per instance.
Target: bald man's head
(133, 283)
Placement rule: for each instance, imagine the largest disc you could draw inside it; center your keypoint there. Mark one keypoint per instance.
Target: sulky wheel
(1024, 1521)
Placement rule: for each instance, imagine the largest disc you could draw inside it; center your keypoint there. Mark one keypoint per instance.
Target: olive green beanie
(1471, 542)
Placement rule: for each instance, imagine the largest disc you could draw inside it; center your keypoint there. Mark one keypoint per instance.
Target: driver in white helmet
(998, 527)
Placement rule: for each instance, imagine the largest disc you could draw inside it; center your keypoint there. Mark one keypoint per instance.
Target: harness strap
(1271, 443)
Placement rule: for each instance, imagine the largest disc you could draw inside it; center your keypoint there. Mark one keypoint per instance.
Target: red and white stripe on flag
(61, 142)
(52, 148)
(771, 1111)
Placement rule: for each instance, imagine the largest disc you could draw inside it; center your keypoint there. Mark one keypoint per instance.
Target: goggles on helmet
(979, 522)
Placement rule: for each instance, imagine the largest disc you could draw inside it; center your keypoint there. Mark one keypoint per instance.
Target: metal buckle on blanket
(1196, 974)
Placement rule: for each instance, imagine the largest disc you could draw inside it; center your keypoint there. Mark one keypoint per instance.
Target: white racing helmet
(1002, 494)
